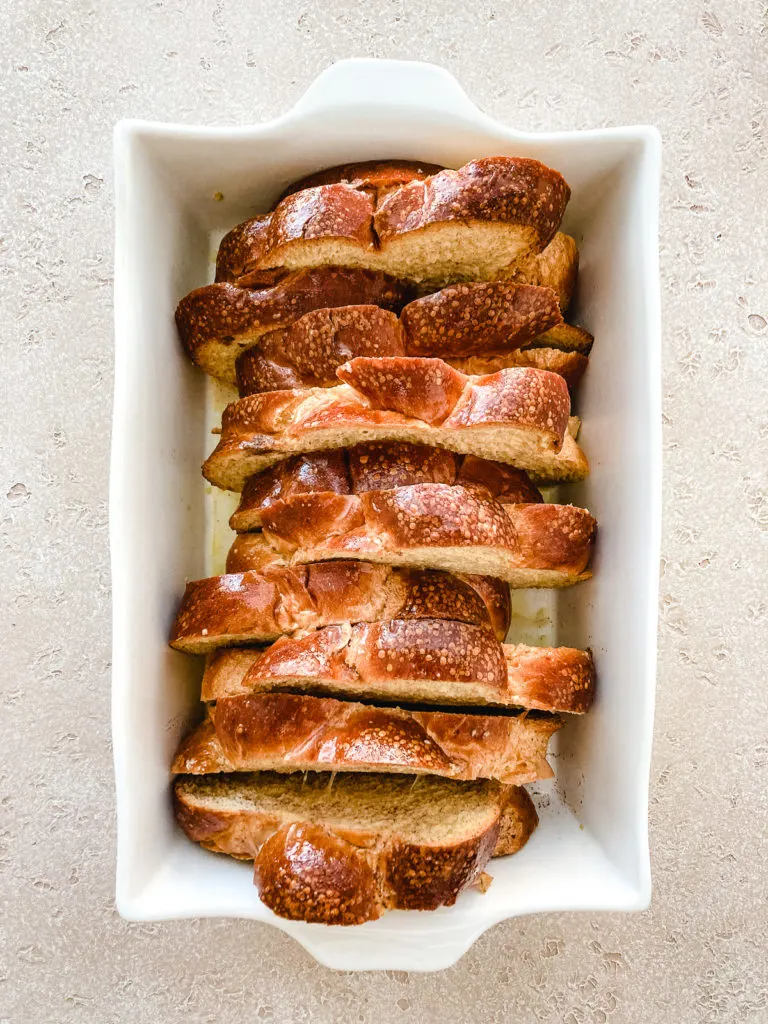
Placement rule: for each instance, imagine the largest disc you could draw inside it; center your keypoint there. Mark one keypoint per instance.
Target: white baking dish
(591, 849)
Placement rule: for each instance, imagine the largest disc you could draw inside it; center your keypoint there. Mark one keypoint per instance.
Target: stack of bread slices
(396, 334)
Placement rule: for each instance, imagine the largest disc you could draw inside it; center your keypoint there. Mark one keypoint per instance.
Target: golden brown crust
(305, 872)
(506, 484)
(362, 228)
(240, 252)
(492, 189)
(309, 351)
(216, 322)
(464, 319)
(518, 416)
(552, 678)
(495, 595)
(424, 879)
(377, 176)
(571, 366)
(458, 321)
(553, 536)
(326, 854)
(558, 268)
(252, 607)
(441, 522)
(336, 211)
(533, 399)
(419, 388)
(431, 661)
(427, 514)
(201, 752)
(375, 466)
(288, 732)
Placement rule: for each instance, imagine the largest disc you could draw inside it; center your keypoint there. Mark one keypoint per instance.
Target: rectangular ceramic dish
(177, 189)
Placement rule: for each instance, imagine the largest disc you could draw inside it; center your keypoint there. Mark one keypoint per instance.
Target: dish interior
(178, 191)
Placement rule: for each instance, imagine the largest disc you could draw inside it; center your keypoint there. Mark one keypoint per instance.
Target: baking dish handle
(369, 82)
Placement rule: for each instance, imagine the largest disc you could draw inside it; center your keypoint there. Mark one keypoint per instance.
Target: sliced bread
(427, 526)
(465, 225)
(377, 466)
(254, 608)
(217, 322)
(459, 321)
(563, 349)
(342, 849)
(241, 249)
(412, 662)
(289, 732)
(517, 416)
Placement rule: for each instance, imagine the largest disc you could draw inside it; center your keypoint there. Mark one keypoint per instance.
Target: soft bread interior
(428, 692)
(440, 254)
(522, 448)
(253, 551)
(428, 810)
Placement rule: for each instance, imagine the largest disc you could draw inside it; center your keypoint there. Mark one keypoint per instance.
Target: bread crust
(320, 864)
(287, 732)
(517, 823)
(366, 229)
(410, 662)
(518, 416)
(468, 318)
(458, 321)
(571, 366)
(217, 322)
(309, 351)
(492, 189)
(375, 466)
(252, 607)
(377, 176)
(306, 872)
(430, 525)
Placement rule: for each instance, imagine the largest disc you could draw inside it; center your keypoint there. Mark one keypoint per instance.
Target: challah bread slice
(218, 322)
(308, 352)
(255, 608)
(473, 223)
(289, 732)
(518, 416)
(425, 661)
(458, 321)
(342, 852)
(376, 466)
(242, 251)
(215, 323)
(464, 225)
(258, 372)
(428, 526)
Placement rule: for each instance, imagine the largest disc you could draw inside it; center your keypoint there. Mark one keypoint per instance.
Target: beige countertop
(74, 67)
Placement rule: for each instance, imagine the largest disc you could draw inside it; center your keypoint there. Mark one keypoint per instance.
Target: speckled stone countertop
(74, 67)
